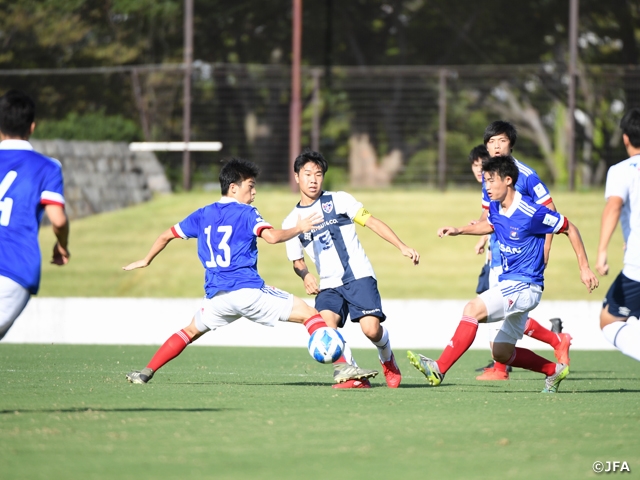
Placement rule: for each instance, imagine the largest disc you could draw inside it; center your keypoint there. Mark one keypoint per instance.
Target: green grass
(247, 413)
(102, 244)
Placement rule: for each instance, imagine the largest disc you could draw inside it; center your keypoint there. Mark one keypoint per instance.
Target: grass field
(246, 413)
(102, 244)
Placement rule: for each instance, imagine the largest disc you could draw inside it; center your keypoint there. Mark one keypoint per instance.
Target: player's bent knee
(476, 309)
(301, 311)
(502, 352)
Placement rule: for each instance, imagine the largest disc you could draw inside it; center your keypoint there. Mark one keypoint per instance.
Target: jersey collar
(226, 199)
(514, 206)
(14, 144)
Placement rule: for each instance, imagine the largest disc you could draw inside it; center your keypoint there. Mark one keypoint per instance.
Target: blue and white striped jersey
(333, 245)
(28, 182)
(227, 233)
(520, 232)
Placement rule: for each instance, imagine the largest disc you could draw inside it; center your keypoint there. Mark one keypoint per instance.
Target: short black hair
(17, 112)
(236, 170)
(630, 125)
(478, 152)
(503, 165)
(310, 156)
(499, 127)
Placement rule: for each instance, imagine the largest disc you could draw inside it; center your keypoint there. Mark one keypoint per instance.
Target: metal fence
(377, 125)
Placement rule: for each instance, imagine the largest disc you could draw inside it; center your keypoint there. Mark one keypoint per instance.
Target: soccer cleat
(364, 383)
(428, 367)
(556, 325)
(552, 382)
(343, 372)
(391, 372)
(491, 374)
(491, 364)
(142, 376)
(562, 351)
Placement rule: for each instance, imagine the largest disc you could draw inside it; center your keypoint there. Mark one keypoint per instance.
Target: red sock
(314, 323)
(524, 358)
(501, 367)
(459, 343)
(537, 331)
(170, 349)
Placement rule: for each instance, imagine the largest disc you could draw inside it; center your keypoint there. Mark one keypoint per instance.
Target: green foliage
(270, 413)
(94, 126)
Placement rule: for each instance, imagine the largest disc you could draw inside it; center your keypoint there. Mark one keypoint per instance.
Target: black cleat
(140, 376)
(556, 325)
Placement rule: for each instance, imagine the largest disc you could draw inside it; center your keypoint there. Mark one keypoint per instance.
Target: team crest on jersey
(327, 207)
(513, 235)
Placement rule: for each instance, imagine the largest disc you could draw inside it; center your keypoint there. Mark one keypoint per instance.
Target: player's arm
(383, 230)
(480, 228)
(303, 225)
(309, 280)
(610, 217)
(586, 275)
(549, 238)
(60, 225)
(161, 242)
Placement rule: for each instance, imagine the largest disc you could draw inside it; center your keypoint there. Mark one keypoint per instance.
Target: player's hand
(479, 247)
(589, 279)
(306, 224)
(448, 232)
(139, 264)
(60, 255)
(602, 267)
(411, 253)
(311, 284)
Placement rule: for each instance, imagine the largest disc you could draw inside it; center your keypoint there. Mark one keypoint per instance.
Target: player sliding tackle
(227, 233)
(520, 226)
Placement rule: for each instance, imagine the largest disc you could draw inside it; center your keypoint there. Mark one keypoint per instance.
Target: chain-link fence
(375, 125)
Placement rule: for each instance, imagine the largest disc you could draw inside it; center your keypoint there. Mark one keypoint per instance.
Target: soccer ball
(326, 345)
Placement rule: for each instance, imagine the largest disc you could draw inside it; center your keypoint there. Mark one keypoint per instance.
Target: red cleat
(364, 383)
(391, 372)
(492, 375)
(562, 351)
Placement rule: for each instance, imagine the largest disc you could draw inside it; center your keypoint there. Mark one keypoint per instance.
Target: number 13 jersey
(333, 246)
(227, 233)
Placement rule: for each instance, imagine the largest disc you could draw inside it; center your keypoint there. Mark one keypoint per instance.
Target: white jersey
(333, 245)
(623, 180)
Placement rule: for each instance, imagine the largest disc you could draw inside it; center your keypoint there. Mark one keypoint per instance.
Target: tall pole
(295, 106)
(186, 112)
(442, 130)
(573, 57)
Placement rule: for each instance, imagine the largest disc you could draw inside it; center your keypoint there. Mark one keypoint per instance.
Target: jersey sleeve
(293, 245)
(618, 182)
(53, 187)
(546, 221)
(189, 227)
(537, 190)
(258, 223)
(346, 203)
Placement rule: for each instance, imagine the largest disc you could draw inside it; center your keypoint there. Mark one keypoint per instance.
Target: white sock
(625, 337)
(384, 346)
(348, 356)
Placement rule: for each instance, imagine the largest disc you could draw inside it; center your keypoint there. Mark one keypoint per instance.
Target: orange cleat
(562, 351)
(391, 372)
(492, 375)
(364, 383)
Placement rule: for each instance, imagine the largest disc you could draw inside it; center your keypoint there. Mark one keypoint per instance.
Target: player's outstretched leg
(552, 382)
(140, 376)
(428, 367)
(559, 341)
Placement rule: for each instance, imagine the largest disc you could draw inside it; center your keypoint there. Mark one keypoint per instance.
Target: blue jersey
(28, 182)
(227, 233)
(520, 233)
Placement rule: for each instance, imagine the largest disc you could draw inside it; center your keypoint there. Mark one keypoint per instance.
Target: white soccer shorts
(266, 306)
(511, 301)
(13, 299)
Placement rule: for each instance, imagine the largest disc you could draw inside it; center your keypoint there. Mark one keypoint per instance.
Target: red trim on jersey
(175, 234)
(547, 202)
(485, 208)
(565, 226)
(261, 229)
(50, 202)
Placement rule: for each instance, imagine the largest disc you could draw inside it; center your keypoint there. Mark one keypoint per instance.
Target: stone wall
(104, 176)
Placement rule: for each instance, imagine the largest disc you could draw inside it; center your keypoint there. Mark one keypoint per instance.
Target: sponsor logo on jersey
(550, 220)
(327, 207)
(508, 249)
(307, 236)
(540, 190)
(320, 226)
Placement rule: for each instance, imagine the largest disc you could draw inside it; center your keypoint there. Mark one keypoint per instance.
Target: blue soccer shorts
(357, 299)
(623, 298)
